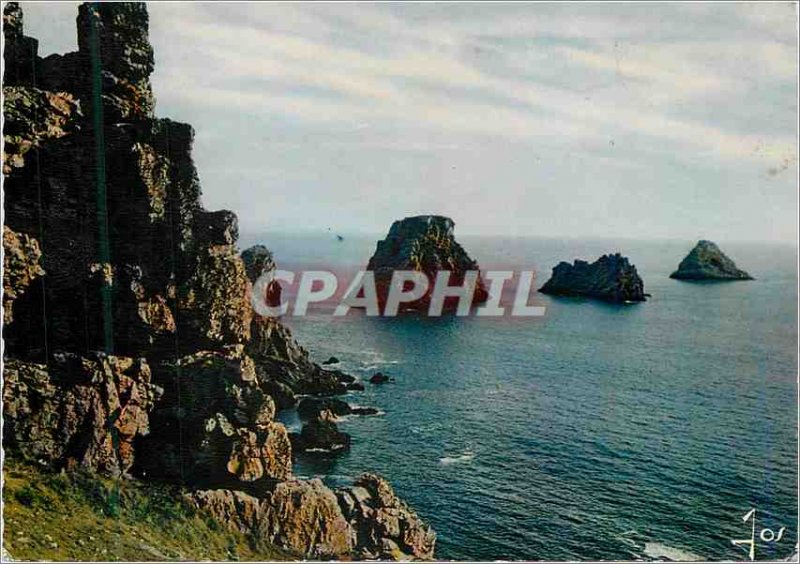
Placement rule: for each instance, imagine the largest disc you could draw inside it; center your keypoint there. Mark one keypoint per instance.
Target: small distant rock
(321, 435)
(341, 377)
(611, 278)
(707, 262)
(355, 387)
(379, 378)
(331, 360)
(310, 408)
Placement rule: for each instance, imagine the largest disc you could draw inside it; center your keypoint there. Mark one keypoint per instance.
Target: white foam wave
(662, 551)
(374, 360)
(346, 418)
(334, 448)
(461, 459)
(378, 365)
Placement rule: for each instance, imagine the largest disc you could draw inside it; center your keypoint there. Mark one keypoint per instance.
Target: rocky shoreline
(132, 349)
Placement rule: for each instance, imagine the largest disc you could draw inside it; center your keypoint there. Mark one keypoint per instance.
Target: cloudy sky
(649, 120)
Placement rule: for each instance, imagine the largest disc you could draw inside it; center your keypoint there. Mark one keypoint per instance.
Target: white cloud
(624, 90)
(395, 77)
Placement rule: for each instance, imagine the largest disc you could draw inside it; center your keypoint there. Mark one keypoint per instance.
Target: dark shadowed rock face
(118, 36)
(707, 262)
(157, 227)
(20, 52)
(33, 117)
(611, 278)
(424, 243)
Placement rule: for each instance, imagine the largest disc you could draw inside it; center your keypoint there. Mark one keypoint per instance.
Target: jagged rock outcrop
(20, 268)
(285, 378)
(284, 366)
(149, 193)
(365, 521)
(301, 516)
(159, 277)
(55, 192)
(108, 247)
(304, 516)
(707, 262)
(113, 46)
(32, 117)
(82, 410)
(20, 51)
(423, 243)
(611, 278)
(258, 260)
(385, 526)
(215, 424)
(216, 298)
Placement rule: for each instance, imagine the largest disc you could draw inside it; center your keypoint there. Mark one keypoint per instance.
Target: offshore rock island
(610, 278)
(132, 351)
(707, 262)
(423, 243)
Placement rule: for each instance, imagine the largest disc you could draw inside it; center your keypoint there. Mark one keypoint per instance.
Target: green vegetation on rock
(78, 516)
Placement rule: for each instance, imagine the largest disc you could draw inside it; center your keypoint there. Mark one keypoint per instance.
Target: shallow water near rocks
(596, 432)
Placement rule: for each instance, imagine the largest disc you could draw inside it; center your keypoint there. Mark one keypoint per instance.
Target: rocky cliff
(611, 278)
(707, 262)
(131, 346)
(423, 243)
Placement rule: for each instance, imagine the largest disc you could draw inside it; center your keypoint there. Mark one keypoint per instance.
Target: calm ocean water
(596, 432)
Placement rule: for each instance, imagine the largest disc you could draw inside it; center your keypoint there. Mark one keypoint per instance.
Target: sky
(630, 120)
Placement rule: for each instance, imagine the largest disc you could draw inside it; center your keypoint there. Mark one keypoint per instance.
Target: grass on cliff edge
(59, 516)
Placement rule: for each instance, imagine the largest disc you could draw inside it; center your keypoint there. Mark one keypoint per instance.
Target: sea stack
(611, 278)
(707, 262)
(423, 243)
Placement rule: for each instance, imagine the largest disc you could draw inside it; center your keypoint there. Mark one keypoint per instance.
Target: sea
(641, 431)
